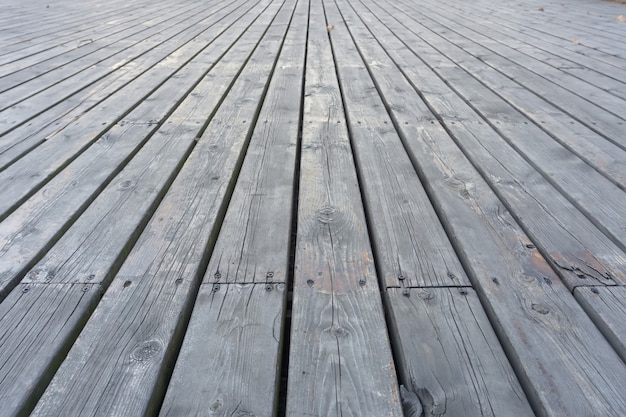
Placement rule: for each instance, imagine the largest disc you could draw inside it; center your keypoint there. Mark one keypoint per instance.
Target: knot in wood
(326, 214)
(146, 350)
(425, 294)
(338, 331)
(541, 309)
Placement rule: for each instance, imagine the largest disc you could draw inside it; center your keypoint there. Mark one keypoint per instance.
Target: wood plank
(91, 250)
(340, 359)
(30, 98)
(239, 335)
(410, 244)
(607, 308)
(32, 316)
(570, 241)
(516, 64)
(590, 115)
(83, 105)
(121, 35)
(449, 355)
(37, 223)
(593, 71)
(165, 266)
(562, 361)
(50, 38)
(257, 253)
(173, 78)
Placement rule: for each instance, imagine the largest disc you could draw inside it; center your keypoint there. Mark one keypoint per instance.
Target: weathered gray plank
(38, 221)
(32, 316)
(83, 105)
(118, 36)
(236, 374)
(340, 360)
(411, 246)
(592, 116)
(607, 307)
(551, 82)
(252, 247)
(33, 97)
(56, 23)
(563, 362)
(90, 251)
(593, 71)
(105, 33)
(170, 80)
(165, 266)
(569, 240)
(450, 356)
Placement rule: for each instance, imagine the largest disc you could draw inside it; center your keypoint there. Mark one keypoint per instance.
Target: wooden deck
(313, 208)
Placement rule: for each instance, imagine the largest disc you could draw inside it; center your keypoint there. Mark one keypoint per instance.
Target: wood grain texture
(411, 247)
(58, 203)
(242, 322)
(450, 356)
(232, 365)
(85, 105)
(607, 308)
(340, 358)
(551, 343)
(169, 80)
(571, 242)
(30, 318)
(157, 284)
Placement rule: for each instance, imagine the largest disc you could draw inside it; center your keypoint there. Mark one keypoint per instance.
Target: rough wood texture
(253, 247)
(113, 222)
(449, 354)
(148, 161)
(59, 202)
(607, 308)
(30, 318)
(132, 357)
(411, 246)
(569, 240)
(552, 345)
(232, 365)
(340, 358)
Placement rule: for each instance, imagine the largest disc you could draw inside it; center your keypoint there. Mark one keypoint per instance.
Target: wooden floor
(313, 208)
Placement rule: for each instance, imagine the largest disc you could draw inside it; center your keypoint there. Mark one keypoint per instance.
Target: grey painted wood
(90, 251)
(133, 358)
(411, 246)
(607, 307)
(450, 356)
(564, 364)
(570, 241)
(340, 359)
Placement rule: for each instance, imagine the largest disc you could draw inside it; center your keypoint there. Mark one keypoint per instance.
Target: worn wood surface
(249, 261)
(340, 356)
(450, 354)
(607, 307)
(335, 207)
(167, 288)
(521, 294)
